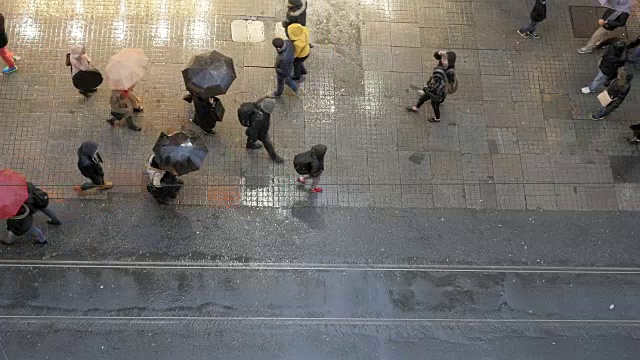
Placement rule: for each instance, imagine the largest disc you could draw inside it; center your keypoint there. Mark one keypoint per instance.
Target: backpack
(245, 111)
(452, 82)
(436, 86)
(301, 163)
(39, 197)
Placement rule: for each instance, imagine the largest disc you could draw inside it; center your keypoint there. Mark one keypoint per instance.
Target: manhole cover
(584, 21)
(247, 31)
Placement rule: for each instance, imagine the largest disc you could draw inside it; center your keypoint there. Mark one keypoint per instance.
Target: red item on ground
(13, 192)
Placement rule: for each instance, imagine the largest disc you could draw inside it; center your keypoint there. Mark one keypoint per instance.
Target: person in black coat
(310, 165)
(614, 58)
(538, 13)
(636, 53)
(206, 116)
(90, 166)
(296, 14)
(610, 20)
(618, 91)
(21, 224)
(258, 129)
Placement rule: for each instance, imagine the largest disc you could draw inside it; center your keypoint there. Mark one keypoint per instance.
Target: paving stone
(446, 167)
(477, 167)
(449, 196)
(405, 35)
(540, 196)
(511, 196)
(507, 168)
(376, 34)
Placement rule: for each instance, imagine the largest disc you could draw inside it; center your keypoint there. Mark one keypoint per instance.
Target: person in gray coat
(284, 65)
(258, 129)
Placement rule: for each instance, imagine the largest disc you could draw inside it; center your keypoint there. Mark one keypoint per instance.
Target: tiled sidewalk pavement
(515, 136)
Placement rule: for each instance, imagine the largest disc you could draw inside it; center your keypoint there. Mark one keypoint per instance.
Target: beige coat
(121, 105)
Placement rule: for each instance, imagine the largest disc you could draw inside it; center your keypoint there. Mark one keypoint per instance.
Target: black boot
(254, 146)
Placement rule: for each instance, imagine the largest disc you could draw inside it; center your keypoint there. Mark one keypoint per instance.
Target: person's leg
(528, 28)
(598, 81)
(53, 219)
(131, 125)
(304, 69)
(314, 182)
(598, 36)
(292, 84)
(136, 101)
(436, 109)
(9, 239)
(600, 114)
(297, 69)
(7, 57)
(268, 145)
(279, 86)
(252, 145)
(38, 234)
(422, 100)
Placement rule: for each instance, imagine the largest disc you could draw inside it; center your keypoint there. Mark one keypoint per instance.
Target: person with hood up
(610, 20)
(310, 165)
(299, 36)
(7, 56)
(296, 14)
(205, 112)
(258, 129)
(80, 61)
(21, 224)
(614, 58)
(618, 91)
(90, 166)
(163, 185)
(538, 13)
(436, 91)
(284, 65)
(122, 107)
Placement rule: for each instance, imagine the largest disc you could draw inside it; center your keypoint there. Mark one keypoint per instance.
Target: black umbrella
(87, 80)
(179, 153)
(209, 74)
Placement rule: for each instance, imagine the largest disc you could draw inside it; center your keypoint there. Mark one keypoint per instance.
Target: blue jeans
(531, 28)
(602, 113)
(50, 214)
(598, 81)
(281, 81)
(35, 231)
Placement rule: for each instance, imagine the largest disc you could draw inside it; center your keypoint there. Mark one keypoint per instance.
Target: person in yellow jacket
(299, 36)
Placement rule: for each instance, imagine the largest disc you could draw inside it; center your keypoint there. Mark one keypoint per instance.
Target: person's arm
(634, 43)
(315, 170)
(619, 21)
(617, 101)
(256, 122)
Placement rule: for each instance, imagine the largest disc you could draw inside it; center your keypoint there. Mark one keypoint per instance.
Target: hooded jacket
(297, 12)
(614, 58)
(299, 36)
(539, 11)
(89, 160)
(284, 60)
(260, 120)
(4, 40)
(616, 22)
(79, 59)
(312, 160)
(618, 92)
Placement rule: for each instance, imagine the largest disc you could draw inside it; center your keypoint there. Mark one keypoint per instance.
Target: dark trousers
(434, 104)
(170, 188)
(128, 119)
(266, 141)
(298, 67)
(96, 180)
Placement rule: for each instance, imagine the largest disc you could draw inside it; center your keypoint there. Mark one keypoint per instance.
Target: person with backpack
(90, 166)
(284, 65)
(610, 20)
(78, 60)
(310, 165)
(617, 91)
(206, 114)
(7, 56)
(538, 13)
(162, 184)
(299, 36)
(256, 117)
(22, 223)
(122, 107)
(39, 201)
(436, 91)
(614, 58)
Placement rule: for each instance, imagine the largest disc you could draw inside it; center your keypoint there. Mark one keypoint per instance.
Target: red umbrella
(13, 192)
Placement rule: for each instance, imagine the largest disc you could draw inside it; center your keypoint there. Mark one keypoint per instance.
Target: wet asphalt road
(123, 279)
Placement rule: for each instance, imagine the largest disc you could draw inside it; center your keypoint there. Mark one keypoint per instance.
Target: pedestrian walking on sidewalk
(284, 65)
(614, 58)
(611, 20)
(257, 118)
(617, 91)
(205, 112)
(310, 165)
(7, 56)
(296, 14)
(122, 107)
(635, 140)
(79, 61)
(436, 91)
(538, 13)
(39, 201)
(299, 36)
(90, 166)
(22, 223)
(162, 184)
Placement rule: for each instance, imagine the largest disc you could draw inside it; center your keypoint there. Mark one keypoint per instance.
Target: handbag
(604, 98)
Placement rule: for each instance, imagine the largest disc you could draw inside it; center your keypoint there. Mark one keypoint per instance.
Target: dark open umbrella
(179, 153)
(87, 80)
(209, 74)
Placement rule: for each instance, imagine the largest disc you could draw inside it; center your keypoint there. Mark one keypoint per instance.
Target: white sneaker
(16, 58)
(586, 90)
